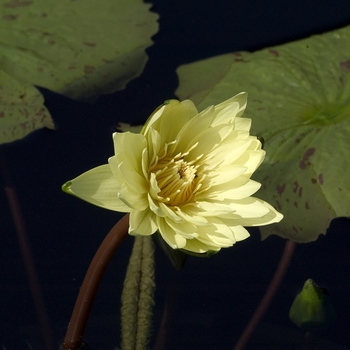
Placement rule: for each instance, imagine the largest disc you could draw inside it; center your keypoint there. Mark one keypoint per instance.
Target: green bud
(311, 309)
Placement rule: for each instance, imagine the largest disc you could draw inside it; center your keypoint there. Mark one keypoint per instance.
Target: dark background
(213, 299)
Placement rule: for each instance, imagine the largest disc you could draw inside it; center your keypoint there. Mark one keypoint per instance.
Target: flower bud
(311, 309)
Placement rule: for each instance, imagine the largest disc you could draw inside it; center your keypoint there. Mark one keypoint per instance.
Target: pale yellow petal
(213, 208)
(167, 233)
(243, 124)
(142, 223)
(185, 229)
(235, 191)
(155, 207)
(132, 199)
(208, 140)
(196, 246)
(223, 154)
(227, 111)
(131, 143)
(173, 116)
(97, 186)
(251, 160)
(154, 145)
(224, 174)
(153, 119)
(239, 232)
(250, 207)
(170, 213)
(191, 217)
(193, 127)
(272, 216)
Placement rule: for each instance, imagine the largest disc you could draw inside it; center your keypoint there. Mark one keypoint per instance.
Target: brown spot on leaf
(18, 3)
(320, 179)
(313, 180)
(2, 114)
(90, 44)
(274, 53)
(307, 205)
(88, 69)
(295, 204)
(10, 17)
(304, 161)
(240, 60)
(345, 66)
(280, 189)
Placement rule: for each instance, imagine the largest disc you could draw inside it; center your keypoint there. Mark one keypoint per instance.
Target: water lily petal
(97, 186)
(235, 192)
(227, 111)
(142, 222)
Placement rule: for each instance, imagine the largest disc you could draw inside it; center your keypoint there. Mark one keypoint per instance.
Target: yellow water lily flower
(186, 174)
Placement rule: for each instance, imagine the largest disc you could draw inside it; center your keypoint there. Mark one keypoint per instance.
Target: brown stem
(269, 294)
(93, 277)
(27, 255)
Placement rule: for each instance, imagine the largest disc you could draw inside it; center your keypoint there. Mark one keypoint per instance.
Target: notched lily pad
(22, 109)
(299, 101)
(81, 49)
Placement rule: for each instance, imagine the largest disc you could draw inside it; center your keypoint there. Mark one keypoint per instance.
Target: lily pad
(81, 49)
(22, 109)
(299, 101)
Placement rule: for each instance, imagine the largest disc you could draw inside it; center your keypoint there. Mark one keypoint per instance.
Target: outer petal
(235, 191)
(227, 111)
(97, 186)
(196, 246)
(272, 216)
(170, 236)
(142, 223)
(169, 119)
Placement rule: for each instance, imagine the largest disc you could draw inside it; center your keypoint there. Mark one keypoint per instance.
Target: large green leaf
(80, 49)
(299, 100)
(22, 109)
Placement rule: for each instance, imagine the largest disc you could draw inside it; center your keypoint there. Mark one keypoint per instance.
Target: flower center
(177, 178)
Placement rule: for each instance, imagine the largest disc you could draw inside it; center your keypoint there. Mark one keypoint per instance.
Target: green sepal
(66, 187)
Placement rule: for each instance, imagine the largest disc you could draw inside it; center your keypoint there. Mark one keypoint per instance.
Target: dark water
(212, 299)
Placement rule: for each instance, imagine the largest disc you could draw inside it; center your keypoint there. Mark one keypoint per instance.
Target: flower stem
(138, 296)
(269, 294)
(76, 327)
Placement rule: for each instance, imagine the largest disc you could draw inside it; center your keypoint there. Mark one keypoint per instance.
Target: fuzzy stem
(76, 327)
(269, 294)
(138, 296)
